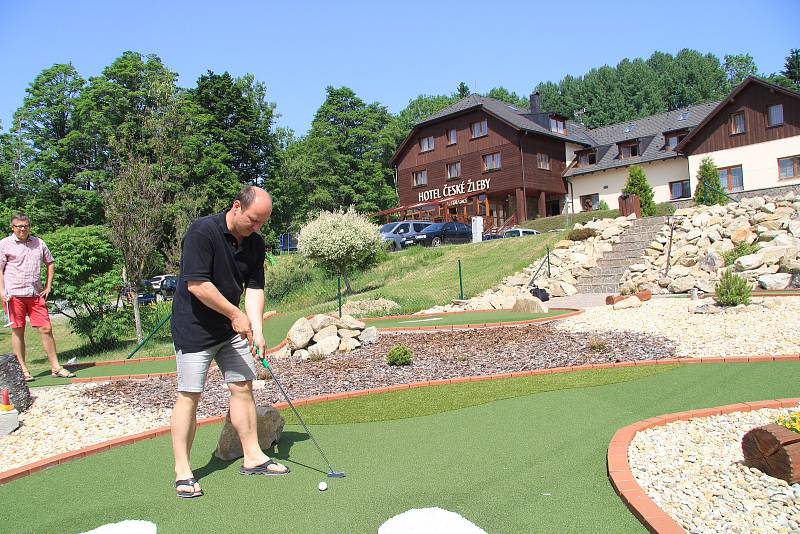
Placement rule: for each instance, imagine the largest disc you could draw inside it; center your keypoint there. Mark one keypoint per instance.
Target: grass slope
(532, 463)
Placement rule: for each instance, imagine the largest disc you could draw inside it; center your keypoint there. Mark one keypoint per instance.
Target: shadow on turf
(279, 451)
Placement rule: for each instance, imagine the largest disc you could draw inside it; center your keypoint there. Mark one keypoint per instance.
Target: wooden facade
(753, 100)
(517, 191)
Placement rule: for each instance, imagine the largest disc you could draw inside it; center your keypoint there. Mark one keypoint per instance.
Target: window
(402, 228)
(491, 162)
(543, 161)
(453, 170)
(556, 125)
(418, 227)
(420, 178)
(673, 140)
(679, 190)
(630, 128)
(731, 179)
(452, 136)
(737, 123)
(587, 158)
(789, 167)
(479, 129)
(590, 202)
(628, 151)
(683, 116)
(775, 115)
(426, 144)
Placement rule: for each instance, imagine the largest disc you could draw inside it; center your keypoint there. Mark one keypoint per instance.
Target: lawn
(513, 455)
(471, 318)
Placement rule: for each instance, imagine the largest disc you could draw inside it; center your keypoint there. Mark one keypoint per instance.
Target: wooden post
(521, 206)
(774, 450)
(542, 205)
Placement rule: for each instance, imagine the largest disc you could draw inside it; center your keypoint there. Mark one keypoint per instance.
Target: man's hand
(260, 344)
(44, 294)
(241, 325)
(3, 295)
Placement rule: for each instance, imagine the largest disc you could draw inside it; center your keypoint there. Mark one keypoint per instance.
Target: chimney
(535, 102)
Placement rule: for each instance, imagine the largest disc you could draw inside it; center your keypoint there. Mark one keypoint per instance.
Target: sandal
(28, 377)
(187, 494)
(263, 469)
(61, 373)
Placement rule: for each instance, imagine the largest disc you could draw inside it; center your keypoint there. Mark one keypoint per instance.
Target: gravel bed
(693, 470)
(767, 326)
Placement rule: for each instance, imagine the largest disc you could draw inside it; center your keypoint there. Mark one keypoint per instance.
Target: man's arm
(51, 269)
(254, 306)
(2, 286)
(207, 293)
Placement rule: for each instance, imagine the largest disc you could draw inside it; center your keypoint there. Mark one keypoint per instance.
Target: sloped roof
(649, 129)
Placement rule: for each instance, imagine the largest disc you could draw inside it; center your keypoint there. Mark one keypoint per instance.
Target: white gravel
(693, 471)
(768, 326)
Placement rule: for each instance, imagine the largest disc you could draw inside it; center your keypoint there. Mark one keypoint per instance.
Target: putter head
(335, 474)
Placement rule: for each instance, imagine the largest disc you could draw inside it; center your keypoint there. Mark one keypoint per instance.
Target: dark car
(443, 233)
(145, 293)
(167, 288)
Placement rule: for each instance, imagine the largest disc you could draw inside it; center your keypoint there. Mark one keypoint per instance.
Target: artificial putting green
(531, 463)
(472, 318)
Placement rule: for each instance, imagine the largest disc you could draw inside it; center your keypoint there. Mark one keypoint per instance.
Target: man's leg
(184, 426)
(18, 346)
(49, 344)
(243, 419)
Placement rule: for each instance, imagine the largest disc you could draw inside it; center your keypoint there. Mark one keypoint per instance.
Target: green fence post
(339, 292)
(460, 282)
(547, 248)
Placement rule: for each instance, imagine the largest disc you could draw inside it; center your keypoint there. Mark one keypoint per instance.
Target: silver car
(401, 233)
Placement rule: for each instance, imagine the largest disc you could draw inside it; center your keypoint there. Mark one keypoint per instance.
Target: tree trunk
(11, 377)
(775, 450)
(137, 318)
(347, 289)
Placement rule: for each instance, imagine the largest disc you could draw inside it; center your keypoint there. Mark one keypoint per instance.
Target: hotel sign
(467, 186)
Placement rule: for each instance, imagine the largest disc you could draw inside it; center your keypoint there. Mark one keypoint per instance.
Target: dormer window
(480, 128)
(672, 140)
(629, 150)
(587, 158)
(630, 128)
(557, 125)
(426, 144)
(683, 116)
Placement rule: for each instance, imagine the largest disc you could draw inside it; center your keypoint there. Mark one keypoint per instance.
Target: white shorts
(232, 356)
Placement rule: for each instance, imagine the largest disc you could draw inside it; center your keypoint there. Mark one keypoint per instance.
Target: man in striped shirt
(21, 258)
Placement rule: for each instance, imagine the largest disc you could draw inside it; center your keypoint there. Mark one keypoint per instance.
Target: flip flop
(61, 373)
(263, 469)
(187, 494)
(28, 377)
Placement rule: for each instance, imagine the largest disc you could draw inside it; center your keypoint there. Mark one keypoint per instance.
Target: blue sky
(388, 52)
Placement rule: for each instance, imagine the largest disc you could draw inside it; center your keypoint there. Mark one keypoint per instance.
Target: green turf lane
(527, 464)
(447, 319)
(117, 369)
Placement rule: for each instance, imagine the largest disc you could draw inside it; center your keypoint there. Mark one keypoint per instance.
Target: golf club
(332, 473)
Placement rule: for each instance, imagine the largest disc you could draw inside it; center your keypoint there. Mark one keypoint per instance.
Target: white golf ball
(323, 486)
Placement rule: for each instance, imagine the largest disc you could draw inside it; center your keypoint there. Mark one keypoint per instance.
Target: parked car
(144, 292)
(518, 232)
(168, 286)
(443, 233)
(158, 279)
(402, 233)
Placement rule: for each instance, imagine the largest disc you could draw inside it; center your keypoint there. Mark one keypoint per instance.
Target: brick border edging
(19, 472)
(276, 348)
(655, 519)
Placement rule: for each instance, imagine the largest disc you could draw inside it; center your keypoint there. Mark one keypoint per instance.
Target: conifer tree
(707, 191)
(638, 185)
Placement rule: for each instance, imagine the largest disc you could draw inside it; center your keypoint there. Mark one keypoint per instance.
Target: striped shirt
(21, 265)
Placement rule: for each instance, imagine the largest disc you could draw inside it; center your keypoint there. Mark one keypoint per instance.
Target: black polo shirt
(210, 252)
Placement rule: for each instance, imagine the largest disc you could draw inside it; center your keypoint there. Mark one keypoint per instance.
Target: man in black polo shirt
(222, 258)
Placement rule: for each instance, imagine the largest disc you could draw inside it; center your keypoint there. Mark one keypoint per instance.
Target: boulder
(269, 427)
(711, 261)
(742, 235)
(794, 228)
(775, 281)
(325, 346)
(682, 284)
(300, 334)
(705, 285)
(369, 335)
(749, 262)
(346, 333)
(301, 354)
(529, 305)
(568, 289)
(502, 302)
(318, 322)
(328, 331)
(282, 353)
(564, 243)
(349, 321)
(630, 302)
(348, 344)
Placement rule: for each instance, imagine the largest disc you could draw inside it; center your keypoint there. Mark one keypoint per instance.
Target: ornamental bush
(638, 185)
(708, 190)
(399, 355)
(732, 290)
(741, 249)
(340, 241)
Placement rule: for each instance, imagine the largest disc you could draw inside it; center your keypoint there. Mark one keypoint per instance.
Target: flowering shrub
(791, 421)
(340, 241)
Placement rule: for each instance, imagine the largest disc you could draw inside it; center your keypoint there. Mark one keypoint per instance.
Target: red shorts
(33, 307)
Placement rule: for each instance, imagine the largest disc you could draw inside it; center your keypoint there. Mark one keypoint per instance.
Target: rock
(502, 302)
(351, 322)
(705, 285)
(564, 243)
(300, 334)
(742, 235)
(637, 268)
(301, 354)
(630, 302)
(611, 231)
(529, 305)
(655, 245)
(693, 235)
(325, 346)
(269, 426)
(318, 322)
(282, 353)
(775, 281)
(345, 333)
(682, 285)
(568, 289)
(328, 331)
(348, 344)
(369, 335)
(794, 228)
(749, 262)
(711, 261)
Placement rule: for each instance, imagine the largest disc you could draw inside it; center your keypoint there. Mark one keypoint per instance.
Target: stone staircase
(605, 276)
